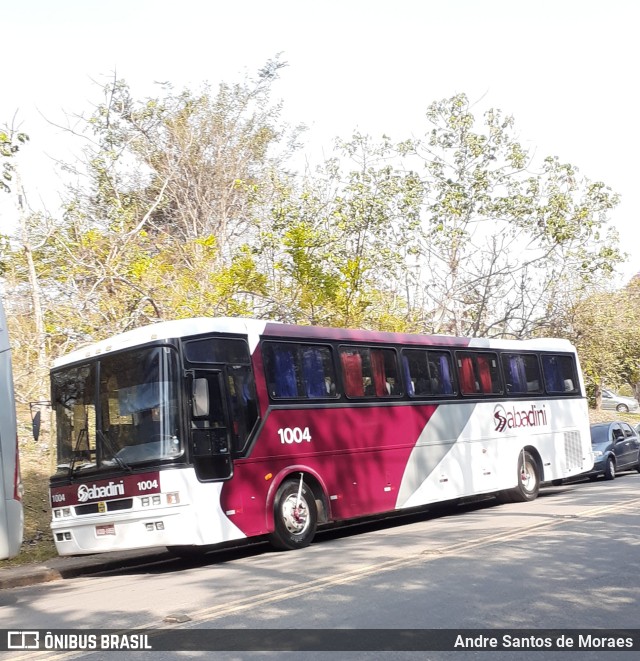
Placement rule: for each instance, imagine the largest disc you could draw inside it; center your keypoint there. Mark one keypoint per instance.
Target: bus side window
(312, 372)
(299, 370)
(352, 374)
(440, 373)
(522, 373)
(479, 374)
(369, 372)
(280, 370)
(468, 383)
(317, 371)
(427, 373)
(484, 374)
(559, 374)
(390, 382)
(416, 371)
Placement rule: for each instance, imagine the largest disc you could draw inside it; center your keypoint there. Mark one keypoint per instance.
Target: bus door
(211, 439)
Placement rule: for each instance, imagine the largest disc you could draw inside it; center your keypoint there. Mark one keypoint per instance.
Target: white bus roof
(164, 330)
(253, 328)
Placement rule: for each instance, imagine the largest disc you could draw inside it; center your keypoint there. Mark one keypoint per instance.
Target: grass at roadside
(36, 465)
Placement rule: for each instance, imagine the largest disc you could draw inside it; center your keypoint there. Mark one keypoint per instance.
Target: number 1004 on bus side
(291, 435)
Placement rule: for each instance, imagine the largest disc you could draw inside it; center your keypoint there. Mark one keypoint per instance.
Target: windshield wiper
(76, 450)
(114, 451)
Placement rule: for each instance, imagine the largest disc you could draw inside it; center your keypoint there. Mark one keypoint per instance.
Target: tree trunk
(41, 371)
(598, 396)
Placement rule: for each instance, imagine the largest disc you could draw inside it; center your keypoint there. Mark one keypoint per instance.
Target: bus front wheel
(295, 516)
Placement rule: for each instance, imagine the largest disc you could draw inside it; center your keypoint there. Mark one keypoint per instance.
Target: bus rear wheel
(295, 516)
(528, 481)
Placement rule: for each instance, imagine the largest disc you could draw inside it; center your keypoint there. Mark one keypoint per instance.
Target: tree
(161, 223)
(336, 251)
(605, 328)
(10, 142)
(186, 207)
(29, 337)
(502, 240)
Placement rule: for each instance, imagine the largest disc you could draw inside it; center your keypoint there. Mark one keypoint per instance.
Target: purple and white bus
(11, 511)
(197, 432)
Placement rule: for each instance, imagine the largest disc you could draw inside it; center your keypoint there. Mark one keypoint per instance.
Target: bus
(11, 512)
(193, 433)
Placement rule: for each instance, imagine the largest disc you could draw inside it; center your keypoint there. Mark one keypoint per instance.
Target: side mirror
(35, 425)
(35, 408)
(200, 398)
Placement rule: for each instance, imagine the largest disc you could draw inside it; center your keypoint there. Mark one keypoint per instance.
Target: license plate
(108, 529)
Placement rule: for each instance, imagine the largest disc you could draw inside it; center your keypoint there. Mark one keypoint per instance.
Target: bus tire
(294, 523)
(528, 479)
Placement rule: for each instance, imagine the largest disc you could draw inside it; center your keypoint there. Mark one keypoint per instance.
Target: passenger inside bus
(392, 388)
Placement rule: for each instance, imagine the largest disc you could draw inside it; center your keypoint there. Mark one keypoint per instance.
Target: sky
(567, 70)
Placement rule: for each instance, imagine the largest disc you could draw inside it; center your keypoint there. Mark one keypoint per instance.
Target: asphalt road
(567, 561)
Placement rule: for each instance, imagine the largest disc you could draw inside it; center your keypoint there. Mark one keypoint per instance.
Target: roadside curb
(70, 567)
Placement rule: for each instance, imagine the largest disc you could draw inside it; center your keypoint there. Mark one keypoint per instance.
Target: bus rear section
(194, 433)
(11, 511)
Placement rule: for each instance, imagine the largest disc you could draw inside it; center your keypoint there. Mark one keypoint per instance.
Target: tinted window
(600, 433)
(478, 373)
(138, 418)
(243, 403)
(74, 403)
(299, 370)
(616, 432)
(559, 374)
(521, 373)
(628, 432)
(427, 373)
(217, 350)
(369, 372)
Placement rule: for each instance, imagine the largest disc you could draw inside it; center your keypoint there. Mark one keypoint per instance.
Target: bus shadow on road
(574, 492)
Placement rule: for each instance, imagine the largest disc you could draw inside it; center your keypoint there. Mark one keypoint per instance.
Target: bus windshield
(116, 411)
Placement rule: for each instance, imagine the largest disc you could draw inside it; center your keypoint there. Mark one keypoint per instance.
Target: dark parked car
(616, 447)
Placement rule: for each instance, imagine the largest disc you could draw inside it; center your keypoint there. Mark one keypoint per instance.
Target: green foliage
(189, 209)
(500, 243)
(5, 252)
(606, 330)
(10, 143)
